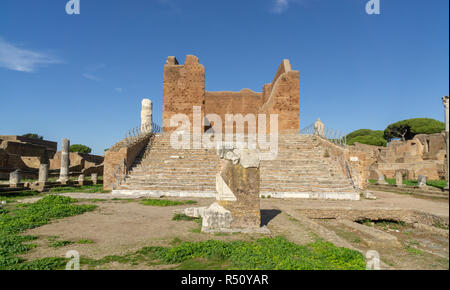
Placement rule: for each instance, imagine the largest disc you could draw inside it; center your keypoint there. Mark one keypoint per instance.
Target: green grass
(59, 244)
(262, 254)
(165, 202)
(182, 217)
(28, 216)
(97, 188)
(17, 195)
(437, 183)
(440, 225)
(414, 251)
(434, 183)
(85, 241)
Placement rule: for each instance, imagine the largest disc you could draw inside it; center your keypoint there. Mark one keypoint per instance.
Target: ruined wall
(49, 145)
(244, 102)
(121, 152)
(77, 161)
(282, 97)
(183, 88)
(423, 155)
(358, 161)
(23, 153)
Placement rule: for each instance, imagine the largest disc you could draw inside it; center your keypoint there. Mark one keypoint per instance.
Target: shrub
(80, 148)
(407, 129)
(366, 136)
(33, 136)
(369, 140)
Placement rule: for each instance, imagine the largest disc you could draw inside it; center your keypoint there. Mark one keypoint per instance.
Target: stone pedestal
(238, 188)
(422, 181)
(43, 174)
(81, 180)
(399, 179)
(64, 171)
(381, 178)
(94, 178)
(14, 179)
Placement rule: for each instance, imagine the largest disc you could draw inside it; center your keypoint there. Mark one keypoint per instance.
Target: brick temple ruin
(307, 166)
(184, 88)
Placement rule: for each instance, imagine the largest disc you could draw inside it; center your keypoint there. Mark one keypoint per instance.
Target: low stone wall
(122, 152)
(428, 190)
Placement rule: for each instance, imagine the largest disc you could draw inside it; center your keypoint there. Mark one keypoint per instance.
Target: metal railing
(136, 134)
(332, 135)
(156, 128)
(350, 173)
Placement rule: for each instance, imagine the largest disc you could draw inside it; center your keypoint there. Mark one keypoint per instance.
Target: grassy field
(263, 254)
(16, 219)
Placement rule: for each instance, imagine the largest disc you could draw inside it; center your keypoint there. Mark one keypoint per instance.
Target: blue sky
(83, 76)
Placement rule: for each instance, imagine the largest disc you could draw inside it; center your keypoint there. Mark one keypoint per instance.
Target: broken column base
(40, 186)
(217, 219)
(17, 185)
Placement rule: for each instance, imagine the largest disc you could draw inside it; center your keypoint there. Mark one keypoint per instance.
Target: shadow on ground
(267, 215)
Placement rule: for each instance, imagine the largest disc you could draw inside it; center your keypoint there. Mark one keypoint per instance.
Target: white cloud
(19, 59)
(280, 6)
(92, 77)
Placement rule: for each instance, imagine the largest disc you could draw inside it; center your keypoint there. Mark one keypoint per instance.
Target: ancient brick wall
(79, 160)
(119, 153)
(24, 153)
(423, 155)
(358, 161)
(282, 97)
(184, 87)
(244, 102)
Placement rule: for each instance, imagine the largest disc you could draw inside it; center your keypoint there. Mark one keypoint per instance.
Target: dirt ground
(118, 227)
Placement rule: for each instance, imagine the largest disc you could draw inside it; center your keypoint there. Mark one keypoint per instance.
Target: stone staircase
(301, 170)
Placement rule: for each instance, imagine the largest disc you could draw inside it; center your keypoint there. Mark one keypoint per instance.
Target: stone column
(81, 179)
(147, 116)
(64, 171)
(14, 178)
(43, 174)
(94, 178)
(445, 102)
(381, 178)
(399, 179)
